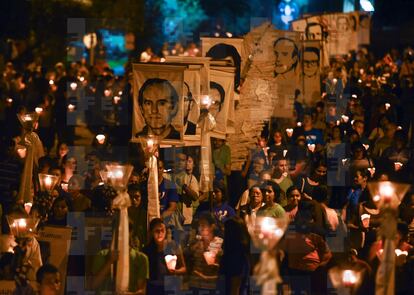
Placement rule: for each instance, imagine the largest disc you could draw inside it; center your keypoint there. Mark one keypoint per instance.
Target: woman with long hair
(160, 254)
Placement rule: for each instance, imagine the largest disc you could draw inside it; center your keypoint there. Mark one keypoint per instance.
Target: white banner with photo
(222, 96)
(158, 102)
(58, 240)
(311, 66)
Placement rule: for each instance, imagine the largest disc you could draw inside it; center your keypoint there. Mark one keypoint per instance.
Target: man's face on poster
(310, 63)
(157, 107)
(342, 24)
(314, 32)
(285, 56)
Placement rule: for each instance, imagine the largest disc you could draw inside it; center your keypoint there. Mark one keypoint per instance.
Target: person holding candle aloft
(162, 266)
(205, 253)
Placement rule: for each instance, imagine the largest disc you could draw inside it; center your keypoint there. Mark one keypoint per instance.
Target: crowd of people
(316, 172)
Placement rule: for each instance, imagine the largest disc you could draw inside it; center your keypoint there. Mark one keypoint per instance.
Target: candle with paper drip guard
(371, 171)
(39, 110)
(311, 147)
(345, 119)
(73, 86)
(210, 257)
(349, 278)
(100, 138)
(117, 99)
(387, 106)
(51, 82)
(28, 207)
(22, 151)
(171, 261)
(107, 92)
(398, 166)
(366, 146)
(71, 107)
(289, 132)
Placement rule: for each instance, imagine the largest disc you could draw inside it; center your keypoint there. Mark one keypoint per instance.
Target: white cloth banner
(222, 95)
(121, 203)
(152, 187)
(311, 62)
(34, 151)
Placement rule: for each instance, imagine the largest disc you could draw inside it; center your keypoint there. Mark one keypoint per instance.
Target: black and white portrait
(158, 102)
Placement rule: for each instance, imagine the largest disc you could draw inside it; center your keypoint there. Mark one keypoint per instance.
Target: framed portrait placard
(158, 102)
(58, 239)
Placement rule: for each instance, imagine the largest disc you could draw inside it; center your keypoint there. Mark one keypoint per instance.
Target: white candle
(117, 99)
(171, 261)
(349, 278)
(289, 132)
(107, 92)
(71, 107)
(311, 147)
(100, 138)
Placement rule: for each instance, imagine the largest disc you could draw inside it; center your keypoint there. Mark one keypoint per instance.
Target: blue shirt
(167, 192)
(314, 136)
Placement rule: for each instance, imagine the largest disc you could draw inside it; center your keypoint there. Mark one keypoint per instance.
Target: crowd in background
(317, 173)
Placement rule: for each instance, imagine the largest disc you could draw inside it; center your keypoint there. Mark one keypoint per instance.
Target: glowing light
(289, 132)
(81, 78)
(371, 171)
(107, 92)
(398, 166)
(51, 82)
(376, 198)
(359, 81)
(206, 101)
(28, 207)
(71, 107)
(366, 146)
(100, 138)
(116, 99)
(345, 118)
(150, 143)
(335, 80)
(171, 261)
(365, 216)
(299, 124)
(366, 5)
(39, 110)
(284, 153)
(398, 252)
(229, 35)
(73, 86)
(387, 106)
(354, 96)
(9, 100)
(311, 147)
(349, 278)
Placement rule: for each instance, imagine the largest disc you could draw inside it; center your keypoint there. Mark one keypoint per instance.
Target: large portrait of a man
(286, 57)
(311, 61)
(158, 102)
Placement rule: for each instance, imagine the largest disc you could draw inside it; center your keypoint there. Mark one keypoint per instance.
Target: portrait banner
(311, 65)
(158, 102)
(284, 50)
(222, 96)
(58, 241)
(364, 28)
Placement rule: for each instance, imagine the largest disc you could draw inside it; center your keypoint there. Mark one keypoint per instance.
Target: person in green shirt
(271, 209)
(221, 160)
(102, 263)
